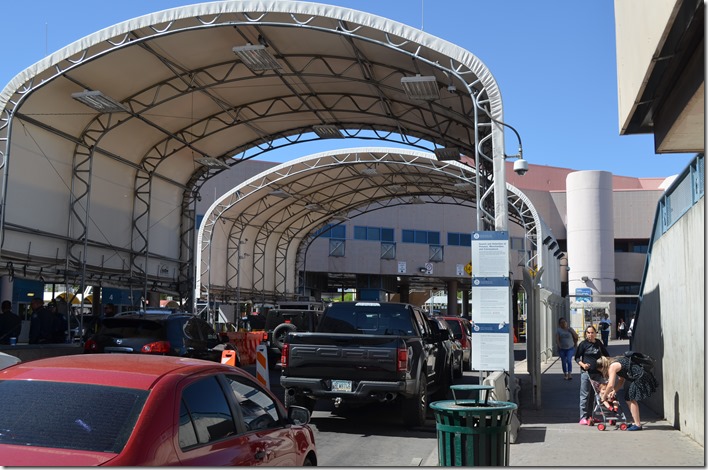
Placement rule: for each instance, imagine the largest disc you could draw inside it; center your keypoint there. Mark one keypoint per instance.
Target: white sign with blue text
(491, 301)
(490, 324)
(490, 254)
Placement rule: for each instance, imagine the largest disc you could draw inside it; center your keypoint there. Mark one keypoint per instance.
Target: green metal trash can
(473, 433)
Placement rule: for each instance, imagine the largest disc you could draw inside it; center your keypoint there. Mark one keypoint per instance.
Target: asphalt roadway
(552, 437)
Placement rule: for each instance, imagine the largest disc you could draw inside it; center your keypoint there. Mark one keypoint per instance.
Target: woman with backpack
(642, 383)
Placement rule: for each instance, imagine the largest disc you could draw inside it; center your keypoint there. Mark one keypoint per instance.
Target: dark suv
(168, 334)
(280, 322)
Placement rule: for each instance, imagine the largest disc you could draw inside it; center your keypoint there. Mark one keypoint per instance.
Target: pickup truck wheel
(415, 408)
(281, 332)
(299, 400)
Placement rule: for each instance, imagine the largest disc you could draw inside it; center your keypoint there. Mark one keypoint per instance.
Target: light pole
(239, 257)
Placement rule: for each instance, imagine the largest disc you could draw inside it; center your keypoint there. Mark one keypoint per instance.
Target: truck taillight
(90, 346)
(158, 347)
(284, 356)
(402, 364)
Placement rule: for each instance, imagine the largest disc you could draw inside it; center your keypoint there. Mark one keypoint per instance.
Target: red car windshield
(68, 415)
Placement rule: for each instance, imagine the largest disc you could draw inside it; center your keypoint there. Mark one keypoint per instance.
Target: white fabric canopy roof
(108, 198)
(275, 215)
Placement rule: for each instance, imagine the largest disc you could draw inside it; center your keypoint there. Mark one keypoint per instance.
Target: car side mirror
(298, 415)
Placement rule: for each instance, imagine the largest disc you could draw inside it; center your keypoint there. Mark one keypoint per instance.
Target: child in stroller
(606, 413)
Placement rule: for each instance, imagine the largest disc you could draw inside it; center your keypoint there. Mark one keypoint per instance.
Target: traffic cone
(228, 356)
(262, 375)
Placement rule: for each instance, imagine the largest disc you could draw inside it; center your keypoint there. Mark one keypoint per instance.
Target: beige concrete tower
(591, 254)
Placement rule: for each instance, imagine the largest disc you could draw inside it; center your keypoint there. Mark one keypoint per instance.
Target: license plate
(341, 385)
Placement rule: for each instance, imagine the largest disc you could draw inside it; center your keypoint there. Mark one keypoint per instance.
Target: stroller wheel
(623, 426)
(600, 427)
(611, 422)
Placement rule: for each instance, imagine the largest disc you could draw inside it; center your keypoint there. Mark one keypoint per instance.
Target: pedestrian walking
(622, 329)
(605, 325)
(587, 354)
(567, 341)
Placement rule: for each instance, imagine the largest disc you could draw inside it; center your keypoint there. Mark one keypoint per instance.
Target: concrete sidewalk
(551, 436)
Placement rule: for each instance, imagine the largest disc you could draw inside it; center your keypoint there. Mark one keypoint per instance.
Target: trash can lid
(473, 406)
(474, 389)
(471, 387)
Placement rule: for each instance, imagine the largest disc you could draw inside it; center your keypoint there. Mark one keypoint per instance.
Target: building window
(517, 243)
(420, 236)
(459, 239)
(333, 231)
(373, 233)
(627, 288)
(631, 246)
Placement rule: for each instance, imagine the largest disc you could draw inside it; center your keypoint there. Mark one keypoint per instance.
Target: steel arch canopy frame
(275, 215)
(108, 194)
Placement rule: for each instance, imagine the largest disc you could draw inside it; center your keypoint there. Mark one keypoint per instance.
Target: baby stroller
(604, 416)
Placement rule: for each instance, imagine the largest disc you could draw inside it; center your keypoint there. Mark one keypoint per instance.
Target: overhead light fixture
(585, 279)
(328, 131)
(210, 162)
(369, 171)
(447, 153)
(463, 185)
(416, 200)
(421, 87)
(341, 218)
(553, 245)
(395, 188)
(558, 254)
(547, 239)
(280, 193)
(314, 207)
(98, 101)
(256, 57)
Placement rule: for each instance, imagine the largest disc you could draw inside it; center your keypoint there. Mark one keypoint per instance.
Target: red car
(141, 410)
(462, 330)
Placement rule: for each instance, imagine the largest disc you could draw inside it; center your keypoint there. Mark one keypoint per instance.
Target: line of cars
(96, 409)
(159, 395)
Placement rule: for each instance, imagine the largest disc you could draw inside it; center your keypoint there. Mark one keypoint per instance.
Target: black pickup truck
(369, 351)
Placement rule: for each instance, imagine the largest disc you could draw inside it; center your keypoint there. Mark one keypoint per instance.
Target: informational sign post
(491, 304)
(490, 254)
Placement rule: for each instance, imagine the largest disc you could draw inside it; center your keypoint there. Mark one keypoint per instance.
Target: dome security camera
(521, 166)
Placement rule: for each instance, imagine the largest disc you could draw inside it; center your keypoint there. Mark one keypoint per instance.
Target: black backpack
(646, 361)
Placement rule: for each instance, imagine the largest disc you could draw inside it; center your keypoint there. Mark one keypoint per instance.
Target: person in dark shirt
(10, 323)
(41, 323)
(586, 356)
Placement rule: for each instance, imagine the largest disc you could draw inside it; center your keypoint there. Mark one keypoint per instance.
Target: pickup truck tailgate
(354, 357)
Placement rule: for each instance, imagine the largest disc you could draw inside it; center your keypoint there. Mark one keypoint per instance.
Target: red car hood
(11, 455)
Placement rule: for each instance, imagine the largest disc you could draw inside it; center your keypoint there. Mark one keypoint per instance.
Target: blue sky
(554, 61)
